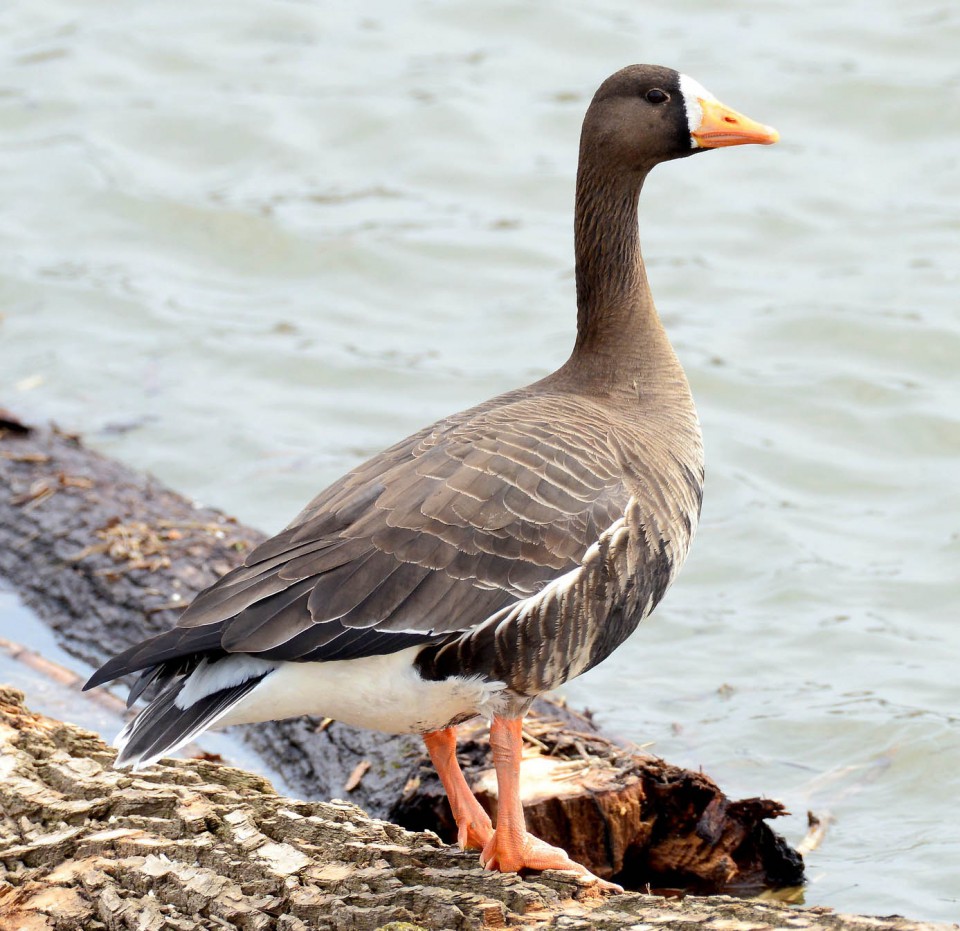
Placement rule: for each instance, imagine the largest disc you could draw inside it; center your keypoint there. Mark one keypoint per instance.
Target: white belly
(383, 693)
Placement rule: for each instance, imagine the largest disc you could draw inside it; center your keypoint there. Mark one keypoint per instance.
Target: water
(245, 245)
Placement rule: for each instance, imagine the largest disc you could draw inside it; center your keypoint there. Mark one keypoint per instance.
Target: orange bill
(722, 126)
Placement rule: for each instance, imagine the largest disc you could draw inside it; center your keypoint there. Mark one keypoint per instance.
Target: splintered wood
(627, 816)
(359, 771)
(138, 545)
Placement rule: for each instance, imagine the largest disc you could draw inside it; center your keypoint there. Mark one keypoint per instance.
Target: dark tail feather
(163, 727)
(151, 675)
(176, 644)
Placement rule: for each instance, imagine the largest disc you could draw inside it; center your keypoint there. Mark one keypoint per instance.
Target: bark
(107, 556)
(195, 845)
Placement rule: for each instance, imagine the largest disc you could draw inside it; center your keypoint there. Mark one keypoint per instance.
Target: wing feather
(425, 541)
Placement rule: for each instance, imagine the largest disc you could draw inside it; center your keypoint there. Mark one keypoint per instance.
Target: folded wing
(418, 545)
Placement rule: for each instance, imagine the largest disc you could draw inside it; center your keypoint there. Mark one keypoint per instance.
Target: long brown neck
(619, 336)
(611, 281)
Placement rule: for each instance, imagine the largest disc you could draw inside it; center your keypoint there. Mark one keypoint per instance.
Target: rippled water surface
(244, 245)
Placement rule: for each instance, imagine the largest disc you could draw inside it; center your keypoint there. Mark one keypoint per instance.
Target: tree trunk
(107, 556)
(194, 845)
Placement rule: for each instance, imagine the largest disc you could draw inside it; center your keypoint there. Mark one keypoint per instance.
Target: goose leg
(474, 828)
(510, 848)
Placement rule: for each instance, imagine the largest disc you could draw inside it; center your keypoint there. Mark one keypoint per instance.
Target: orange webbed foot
(510, 853)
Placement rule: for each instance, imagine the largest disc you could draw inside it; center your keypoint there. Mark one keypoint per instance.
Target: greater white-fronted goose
(496, 553)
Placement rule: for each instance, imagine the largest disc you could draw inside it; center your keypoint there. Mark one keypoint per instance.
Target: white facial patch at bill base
(693, 92)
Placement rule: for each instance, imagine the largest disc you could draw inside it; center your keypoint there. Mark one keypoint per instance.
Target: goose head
(646, 114)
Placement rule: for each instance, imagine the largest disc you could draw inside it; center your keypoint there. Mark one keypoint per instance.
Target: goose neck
(618, 330)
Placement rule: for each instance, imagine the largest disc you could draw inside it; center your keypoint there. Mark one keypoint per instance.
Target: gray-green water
(244, 245)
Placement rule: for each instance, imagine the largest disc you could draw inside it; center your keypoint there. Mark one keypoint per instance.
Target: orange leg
(474, 828)
(511, 848)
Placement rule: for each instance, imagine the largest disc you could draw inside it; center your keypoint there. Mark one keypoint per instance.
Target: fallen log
(107, 556)
(192, 845)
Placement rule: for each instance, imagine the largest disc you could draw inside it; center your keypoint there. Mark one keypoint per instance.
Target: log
(107, 556)
(192, 845)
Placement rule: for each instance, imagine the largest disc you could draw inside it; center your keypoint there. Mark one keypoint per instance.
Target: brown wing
(418, 545)
(427, 539)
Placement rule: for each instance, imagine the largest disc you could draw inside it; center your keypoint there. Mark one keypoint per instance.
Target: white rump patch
(693, 92)
(208, 678)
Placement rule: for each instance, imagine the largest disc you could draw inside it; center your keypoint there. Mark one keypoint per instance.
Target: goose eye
(656, 95)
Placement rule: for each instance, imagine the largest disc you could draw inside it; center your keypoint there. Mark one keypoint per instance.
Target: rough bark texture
(190, 845)
(107, 556)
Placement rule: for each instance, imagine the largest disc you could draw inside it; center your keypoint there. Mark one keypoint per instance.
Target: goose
(494, 554)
